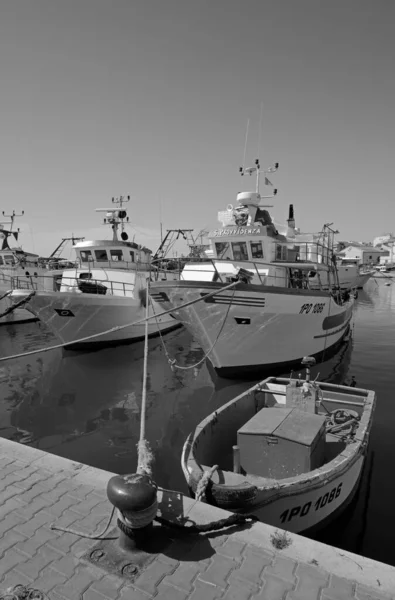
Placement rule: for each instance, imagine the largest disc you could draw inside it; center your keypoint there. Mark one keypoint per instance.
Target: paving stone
(28, 495)
(108, 587)
(33, 566)
(219, 570)
(11, 491)
(239, 590)
(131, 593)
(252, 566)
(205, 591)
(149, 580)
(11, 559)
(365, 593)
(29, 528)
(310, 582)
(10, 521)
(282, 567)
(9, 540)
(85, 507)
(8, 507)
(17, 476)
(6, 461)
(231, 549)
(168, 592)
(218, 540)
(66, 501)
(12, 579)
(28, 482)
(338, 588)
(30, 546)
(92, 524)
(62, 542)
(33, 507)
(11, 468)
(76, 585)
(183, 577)
(276, 589)
(49, 579)
(66, 565)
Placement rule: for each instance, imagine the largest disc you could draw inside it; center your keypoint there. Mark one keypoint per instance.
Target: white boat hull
(257, 327)
(72, 317)
(307, 509)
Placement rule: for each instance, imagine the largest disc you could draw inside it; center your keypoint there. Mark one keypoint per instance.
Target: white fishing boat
(105, 291)
(22, 269)
(289, 451)
(286, 305)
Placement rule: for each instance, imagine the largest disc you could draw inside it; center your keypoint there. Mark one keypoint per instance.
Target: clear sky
(151, 98)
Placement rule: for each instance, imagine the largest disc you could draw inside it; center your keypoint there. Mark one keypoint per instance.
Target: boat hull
(73, 317)
(246, 330)
(298, 503)
(300, 511)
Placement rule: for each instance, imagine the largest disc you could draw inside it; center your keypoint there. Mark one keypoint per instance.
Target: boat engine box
(282, 442)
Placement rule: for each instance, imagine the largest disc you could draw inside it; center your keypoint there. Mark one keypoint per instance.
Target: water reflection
(86, 406)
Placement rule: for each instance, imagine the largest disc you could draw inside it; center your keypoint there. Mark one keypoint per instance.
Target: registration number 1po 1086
(302, 511)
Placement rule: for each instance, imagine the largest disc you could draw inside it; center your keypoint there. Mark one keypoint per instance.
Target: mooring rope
(144, 452)
(118, 327)
(173, 362)
(11, 308)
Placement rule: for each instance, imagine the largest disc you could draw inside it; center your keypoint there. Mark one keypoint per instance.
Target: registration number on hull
(303, 510)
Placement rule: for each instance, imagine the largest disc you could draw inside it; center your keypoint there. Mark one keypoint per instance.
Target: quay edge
(38, 488)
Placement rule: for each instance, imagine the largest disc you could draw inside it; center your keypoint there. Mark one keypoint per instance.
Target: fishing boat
(106, 290)
(288, 451)
(22, 269)
(287, 302)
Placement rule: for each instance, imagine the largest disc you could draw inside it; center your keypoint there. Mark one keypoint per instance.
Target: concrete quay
(38, 489)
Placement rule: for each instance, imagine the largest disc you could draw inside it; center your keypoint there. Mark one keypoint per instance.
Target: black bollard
(135, 497)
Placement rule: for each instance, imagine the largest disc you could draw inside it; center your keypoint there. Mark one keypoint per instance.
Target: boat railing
(73, 285)
(289, 274)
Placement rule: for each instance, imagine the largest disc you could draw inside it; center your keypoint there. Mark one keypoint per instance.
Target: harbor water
(86, 406)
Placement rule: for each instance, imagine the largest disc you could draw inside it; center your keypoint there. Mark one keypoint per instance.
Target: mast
(116, 217)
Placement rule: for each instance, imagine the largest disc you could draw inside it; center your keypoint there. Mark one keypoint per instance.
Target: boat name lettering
(304, 510)
(317, 308)
(238, 231)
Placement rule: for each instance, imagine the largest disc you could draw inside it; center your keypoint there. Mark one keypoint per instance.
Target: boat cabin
(113, 254)
(249, 239)
(16, 257)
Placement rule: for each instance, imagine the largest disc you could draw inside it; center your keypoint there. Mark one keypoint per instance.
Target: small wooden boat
(289, 451)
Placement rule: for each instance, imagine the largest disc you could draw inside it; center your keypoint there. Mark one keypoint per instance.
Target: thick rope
(117, 328)
(234, 519)
(6, 294)
(172, 361)
(23, 592)
(11, 308)
(144, 452)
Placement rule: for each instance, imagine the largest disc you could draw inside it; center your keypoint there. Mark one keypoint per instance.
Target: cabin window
(281, 252)
(132, 256)
(240, 250)
(256, 249)
(86, 255)
(85, 275)
(116, 254)
(9, 259)
(101, 255)
(1, 260)
(223, 250)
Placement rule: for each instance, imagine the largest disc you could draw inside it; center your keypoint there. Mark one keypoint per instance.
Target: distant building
(361, 253)
(382, 239)
(388, 248)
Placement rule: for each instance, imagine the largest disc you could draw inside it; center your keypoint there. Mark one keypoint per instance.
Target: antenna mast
(12, 217)
(116, 217)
